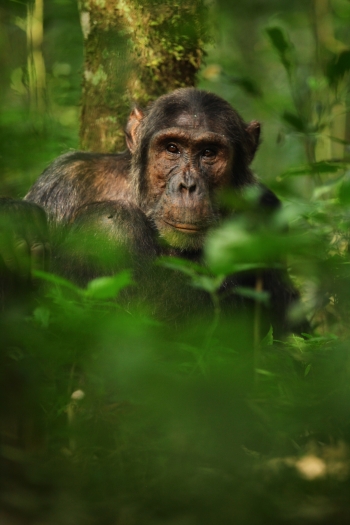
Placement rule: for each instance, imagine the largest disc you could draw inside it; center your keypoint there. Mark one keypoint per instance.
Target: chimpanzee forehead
(192, 109)
(193, 120)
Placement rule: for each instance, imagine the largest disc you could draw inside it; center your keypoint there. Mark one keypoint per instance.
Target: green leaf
(338, 66)
(260, 297)
(247, 84)
(282, 44)
(293, 120)
(209, 284)
(42, 315)
(268, 339)
(307, 370)
(315, 168)
(250, 86)
(264, 372)
(108, 287)
(201, 277)
(59, 281)
(233, 248)
(182, 265)
(344, 193)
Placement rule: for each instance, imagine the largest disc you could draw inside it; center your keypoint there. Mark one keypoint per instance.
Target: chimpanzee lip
(189, 228)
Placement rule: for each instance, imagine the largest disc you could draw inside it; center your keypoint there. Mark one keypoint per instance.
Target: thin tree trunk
(134, 52)
(325, 42)
(35, 61)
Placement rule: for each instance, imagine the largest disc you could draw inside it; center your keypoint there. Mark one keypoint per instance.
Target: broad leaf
(108, 287)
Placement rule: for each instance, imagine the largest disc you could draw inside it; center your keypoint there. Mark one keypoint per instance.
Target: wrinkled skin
(188, 165)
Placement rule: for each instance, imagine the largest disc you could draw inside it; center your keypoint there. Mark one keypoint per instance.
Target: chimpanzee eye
(208, 153)
(172, 148)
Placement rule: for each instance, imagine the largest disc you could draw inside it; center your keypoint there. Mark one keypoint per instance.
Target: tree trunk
(134, 52)
(35, 61)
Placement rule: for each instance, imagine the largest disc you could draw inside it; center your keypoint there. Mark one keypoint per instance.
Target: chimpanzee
(157, 198)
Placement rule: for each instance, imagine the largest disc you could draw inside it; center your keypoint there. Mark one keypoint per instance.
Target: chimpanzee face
(187, 163)
(189, 145)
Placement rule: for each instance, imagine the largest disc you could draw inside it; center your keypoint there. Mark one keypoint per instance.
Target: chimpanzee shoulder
(77, 178)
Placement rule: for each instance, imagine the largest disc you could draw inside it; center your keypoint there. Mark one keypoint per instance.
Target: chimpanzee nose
(187, 187)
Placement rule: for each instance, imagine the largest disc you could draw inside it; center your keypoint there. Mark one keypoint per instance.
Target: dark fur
(79, 178)
(109, 196)
(25, 223)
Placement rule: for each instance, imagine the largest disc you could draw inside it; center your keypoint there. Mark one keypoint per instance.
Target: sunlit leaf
(232, 247)
(108, 287)
(264, 372)
(307, 370)
(182, 265)
(209, 284)
(260, 297)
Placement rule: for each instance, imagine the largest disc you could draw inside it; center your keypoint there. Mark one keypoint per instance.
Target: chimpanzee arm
(104, 238)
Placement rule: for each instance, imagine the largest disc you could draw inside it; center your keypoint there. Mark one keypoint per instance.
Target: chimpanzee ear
(253, 133)
(131, 128)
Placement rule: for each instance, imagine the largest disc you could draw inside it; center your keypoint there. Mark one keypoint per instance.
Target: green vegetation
(111, 417)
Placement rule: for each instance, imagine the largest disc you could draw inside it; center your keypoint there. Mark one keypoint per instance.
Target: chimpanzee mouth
(186, 228)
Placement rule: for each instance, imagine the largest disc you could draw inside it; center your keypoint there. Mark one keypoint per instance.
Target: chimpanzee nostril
(184, 188)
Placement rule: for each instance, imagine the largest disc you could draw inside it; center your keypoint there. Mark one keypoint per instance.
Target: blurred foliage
(109, 416)
(28, 142)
